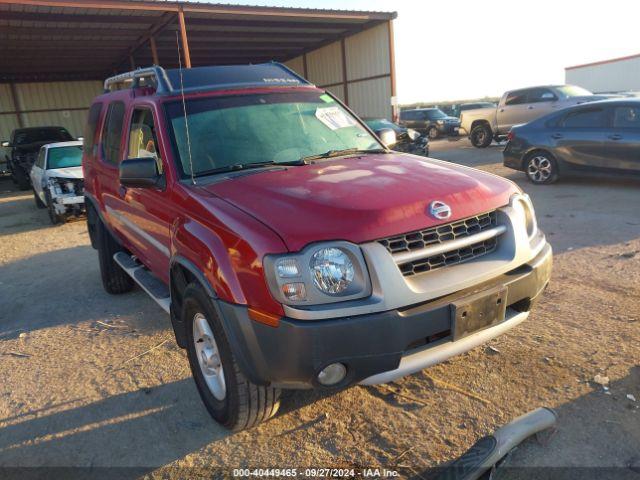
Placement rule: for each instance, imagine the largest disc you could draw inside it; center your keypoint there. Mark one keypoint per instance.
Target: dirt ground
(93, 380)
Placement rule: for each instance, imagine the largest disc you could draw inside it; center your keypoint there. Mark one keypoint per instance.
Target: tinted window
(626, 117)
(537, 95)
(586, 118)
(64, 157)
(112, 133)
(408, 115)
(435, 114)
(516, 98)
(40, 160)
(91, 126)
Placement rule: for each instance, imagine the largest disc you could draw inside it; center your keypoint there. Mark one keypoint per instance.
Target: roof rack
(151, 76)
(169, 82)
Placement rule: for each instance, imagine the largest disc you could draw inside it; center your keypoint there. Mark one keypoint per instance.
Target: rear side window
(516, 98)
(407, 115)
(537, 95)
(626, 117)
(91, 126)
(112, 133)
(585, 118)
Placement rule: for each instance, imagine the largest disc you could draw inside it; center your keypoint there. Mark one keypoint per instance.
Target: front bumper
(68, 203)
(377, 347)
(449, 128)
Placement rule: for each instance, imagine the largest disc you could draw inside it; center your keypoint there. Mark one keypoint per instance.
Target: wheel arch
(479, 122)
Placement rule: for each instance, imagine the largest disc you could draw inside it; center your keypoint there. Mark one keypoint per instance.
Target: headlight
(55, 185)
(332, 271)
(320, 274)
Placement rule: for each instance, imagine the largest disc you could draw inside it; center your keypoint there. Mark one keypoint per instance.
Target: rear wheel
(481, 136)
(114, 279)
(229, 397)
(433, 133)
(541, 168)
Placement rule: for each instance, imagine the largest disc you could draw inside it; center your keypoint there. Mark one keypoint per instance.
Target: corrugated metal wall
(368, 72)
(54, 103)
(614, 76)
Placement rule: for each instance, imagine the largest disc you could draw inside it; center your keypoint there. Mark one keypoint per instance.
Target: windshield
(33, 135)
(573, 91)
(262, 128)
(63, 157)
(435, 114)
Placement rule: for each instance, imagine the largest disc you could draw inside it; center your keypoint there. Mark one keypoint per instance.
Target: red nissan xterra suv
(290, 246)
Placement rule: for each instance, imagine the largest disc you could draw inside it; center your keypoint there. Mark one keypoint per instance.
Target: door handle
(530, 107)
(557, 136)
(615, 136)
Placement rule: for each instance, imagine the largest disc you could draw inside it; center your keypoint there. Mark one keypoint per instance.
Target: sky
(468, 49)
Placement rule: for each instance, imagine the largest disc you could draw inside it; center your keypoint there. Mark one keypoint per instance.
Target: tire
(37, 200)
(21, 179)
(481, 136)
(53, 215)
(433, 133)
(541, 168)
(114, 279)
(229, 397)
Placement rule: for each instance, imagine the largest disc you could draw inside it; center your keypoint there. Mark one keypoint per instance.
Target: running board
(151, 284)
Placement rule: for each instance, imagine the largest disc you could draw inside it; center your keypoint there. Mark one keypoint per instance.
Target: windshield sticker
(334, 118)
(326, 98)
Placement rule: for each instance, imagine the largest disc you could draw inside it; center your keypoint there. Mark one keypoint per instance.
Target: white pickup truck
(520, 106)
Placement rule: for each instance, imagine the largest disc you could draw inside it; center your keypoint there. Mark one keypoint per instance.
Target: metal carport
(56, 52)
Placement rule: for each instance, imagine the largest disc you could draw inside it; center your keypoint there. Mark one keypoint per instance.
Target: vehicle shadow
(597, 436)
(70, 293)
(121, 436)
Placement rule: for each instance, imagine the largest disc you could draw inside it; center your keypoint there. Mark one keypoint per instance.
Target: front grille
(440, 234)
(452, 257)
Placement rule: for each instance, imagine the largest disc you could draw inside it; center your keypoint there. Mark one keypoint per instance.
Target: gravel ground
(94, 380)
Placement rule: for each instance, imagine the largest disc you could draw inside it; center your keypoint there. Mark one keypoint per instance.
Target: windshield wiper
(248, 166)
(341, 153)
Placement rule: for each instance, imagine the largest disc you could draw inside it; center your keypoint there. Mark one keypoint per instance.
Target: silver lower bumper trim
(421, 359)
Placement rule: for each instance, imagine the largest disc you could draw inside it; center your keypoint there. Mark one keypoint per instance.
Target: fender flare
(233, 332)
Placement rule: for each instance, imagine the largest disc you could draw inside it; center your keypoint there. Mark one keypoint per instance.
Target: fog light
(332, 374)
(294, 291)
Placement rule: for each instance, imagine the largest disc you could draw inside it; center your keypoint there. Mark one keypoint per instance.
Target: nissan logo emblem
(439, 210)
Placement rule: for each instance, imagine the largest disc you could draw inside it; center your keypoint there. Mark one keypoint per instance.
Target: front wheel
(39, 203)
(229, 397)
(542, 168)
(481, 136)
(53, 215)
(433, 133)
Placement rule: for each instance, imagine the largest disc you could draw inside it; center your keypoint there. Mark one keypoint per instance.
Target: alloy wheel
(539, 169)
(208, 356)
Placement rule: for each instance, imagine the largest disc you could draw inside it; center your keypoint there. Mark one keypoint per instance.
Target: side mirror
(387, 137)
(6, 144)
(139, 172)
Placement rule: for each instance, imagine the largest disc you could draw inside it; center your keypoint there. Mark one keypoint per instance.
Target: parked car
(430, 121)
(520, 106)
(596, 137)
(56, 177)
(407, 139)
(291, 248)
(25, 144)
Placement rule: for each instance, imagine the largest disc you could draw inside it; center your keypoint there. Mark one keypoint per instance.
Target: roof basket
(168, 82)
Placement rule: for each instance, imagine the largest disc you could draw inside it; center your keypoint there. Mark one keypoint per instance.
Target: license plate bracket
(478, 311)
